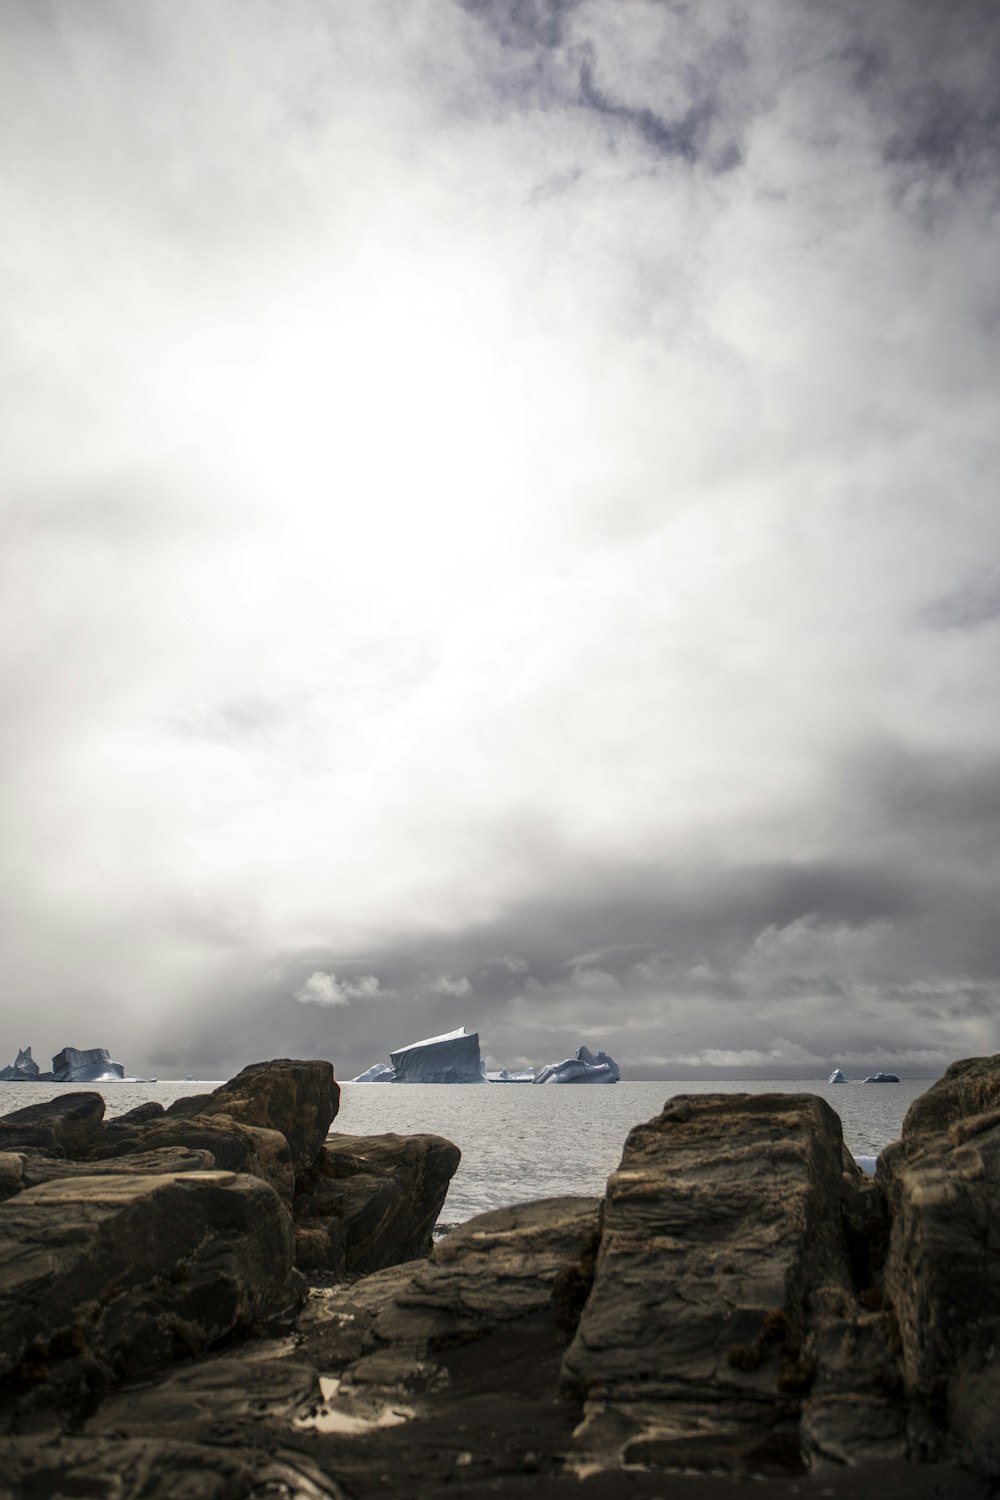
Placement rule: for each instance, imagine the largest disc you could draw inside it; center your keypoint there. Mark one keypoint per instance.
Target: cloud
(445, 985)
(322, 988)
(505, 496)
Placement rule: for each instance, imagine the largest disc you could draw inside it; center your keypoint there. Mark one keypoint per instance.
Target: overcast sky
(500, 525)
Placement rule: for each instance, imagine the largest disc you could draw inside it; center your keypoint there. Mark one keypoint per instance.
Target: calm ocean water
(520, 1142)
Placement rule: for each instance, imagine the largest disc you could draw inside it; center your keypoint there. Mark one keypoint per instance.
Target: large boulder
(722, 1259)
(942, 1271)
(298, 1098)
(107, 1278)
(377, 1197)
(37, 1168)
(66, 1126)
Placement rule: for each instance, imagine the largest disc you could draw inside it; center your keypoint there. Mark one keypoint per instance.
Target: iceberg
(453, 1057)
(881, 1078)
(377, 1073)
(583, 1067)
(23, 1069)
(836, 1077)
(524, 1075)
(89, 1065)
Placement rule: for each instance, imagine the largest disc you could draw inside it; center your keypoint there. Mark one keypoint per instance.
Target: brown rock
(106, 1278)
(386, 1191)
(721, 1227)
(298, 1098)
(942, 1272)
(236, 1147)
(68, 1125)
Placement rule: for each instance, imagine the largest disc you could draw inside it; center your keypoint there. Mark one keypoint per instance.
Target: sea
(520, 1142)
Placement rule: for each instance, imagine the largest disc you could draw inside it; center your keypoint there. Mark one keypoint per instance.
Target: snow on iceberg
(583, 1067)
(836, 1077)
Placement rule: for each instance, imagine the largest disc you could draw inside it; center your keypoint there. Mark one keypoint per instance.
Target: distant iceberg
(24, 1069)
(90, 1065)
(881, 1078)
(453, 1057)
(836, 1077)
(583, 1067)
(525, 1075)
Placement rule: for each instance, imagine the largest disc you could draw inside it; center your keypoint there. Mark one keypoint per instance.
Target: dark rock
(191, 1104)
(85, 1065)
(300, 1099)
(722, 1261)
(169, 1160)
(386, 1192)
(202, 1400)
(70, 1124)
(970, 1087)
(141, 1114)
(158, 1469)
(942, 1271)
(108, 1278)
(235, 1147)
(11, 1174)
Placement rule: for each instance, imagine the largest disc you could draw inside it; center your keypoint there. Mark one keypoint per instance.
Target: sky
(500, 525)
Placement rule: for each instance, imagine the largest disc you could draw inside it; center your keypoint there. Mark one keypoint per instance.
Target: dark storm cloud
(685, 137)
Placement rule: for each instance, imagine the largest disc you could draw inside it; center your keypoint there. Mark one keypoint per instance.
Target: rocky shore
(226, 1299)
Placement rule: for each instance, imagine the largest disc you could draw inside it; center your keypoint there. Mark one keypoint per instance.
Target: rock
(299, 1098)
(722, 1227)
(202, 1400)
(836, 1077)
(90, 1065)
(968, 1088)
(386, 1192)
(881, 1078)
(942, 1270)
(169, 1160)
(583, 1067)
(107, 1278)
(141, 1114)
(158, 1469)
(451, 1058)
(234, 1146)
(11, 1174)
(68, 1125)
(23, 1069)
(487, 1313)
(186, 1107)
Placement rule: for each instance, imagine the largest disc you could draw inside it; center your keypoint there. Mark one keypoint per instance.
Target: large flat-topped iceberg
(583, 1067)
(89, 1065)
(453, 1057)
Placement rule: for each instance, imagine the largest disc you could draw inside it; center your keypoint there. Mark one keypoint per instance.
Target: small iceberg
(881, 1078)
(583, 1067)
(24, 1069)
(836, 1077)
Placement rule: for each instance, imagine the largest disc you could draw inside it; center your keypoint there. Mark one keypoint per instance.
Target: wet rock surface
(743, 1303)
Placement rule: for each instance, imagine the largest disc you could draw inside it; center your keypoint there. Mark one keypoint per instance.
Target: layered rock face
(722, 1240)
(942, 1271)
